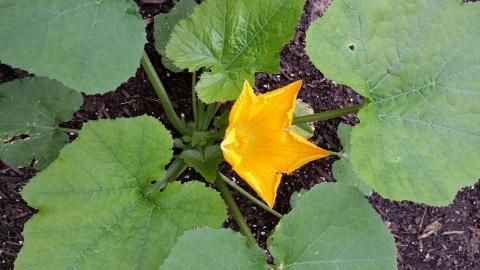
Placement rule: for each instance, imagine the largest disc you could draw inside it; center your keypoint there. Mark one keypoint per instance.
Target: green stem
(194, 98)
(177, 123)
(327, 114)
(69, 130)
(250, 197)
(174, 170)
(338, 154)
(209, 114)
(200, 111)
(228, 198)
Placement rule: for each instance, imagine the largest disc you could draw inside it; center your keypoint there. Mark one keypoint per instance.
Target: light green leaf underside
(163, 27)
(233, 39)
(306, 130)
(34, 107)
(208, 249)
(332, 227)
(342, 169)
(164, 22)
(93, 211)
(90, 45)
(418, 62)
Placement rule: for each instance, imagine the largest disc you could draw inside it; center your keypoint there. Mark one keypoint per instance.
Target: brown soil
(456, 245)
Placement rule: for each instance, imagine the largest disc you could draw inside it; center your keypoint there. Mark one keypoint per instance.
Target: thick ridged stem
(232, 205)
(177, 167)
(327, 114)
(208, 116)
(194, 98)
(177, 123)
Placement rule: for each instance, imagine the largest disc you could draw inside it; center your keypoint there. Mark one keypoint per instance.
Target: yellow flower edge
(259, 142)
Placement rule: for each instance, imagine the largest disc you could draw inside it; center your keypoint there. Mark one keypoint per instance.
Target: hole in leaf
(153, 182)
(352, 47)
(16, 138)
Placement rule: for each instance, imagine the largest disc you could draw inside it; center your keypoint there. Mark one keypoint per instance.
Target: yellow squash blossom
(259, 142)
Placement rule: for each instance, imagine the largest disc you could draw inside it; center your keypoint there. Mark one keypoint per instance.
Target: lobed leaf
(89, 45)
(95, 212)
(30, 111)
(208, 249)
(233, 39)
(418, 64)
(332, 227)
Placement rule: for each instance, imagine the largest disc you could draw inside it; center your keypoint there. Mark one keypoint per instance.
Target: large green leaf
(332, 227)
(342, 169)
(89, 45)
(208, 249)
(94, 211)
(233, 39)
(418, 64)
(30, 111)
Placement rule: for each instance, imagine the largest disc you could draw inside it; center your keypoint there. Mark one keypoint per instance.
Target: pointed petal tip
(297, 84)
(310, 152)
(246, 85)
(247, 90)
(269, 200)
(271, 203)
(294, 87)
(264, 181)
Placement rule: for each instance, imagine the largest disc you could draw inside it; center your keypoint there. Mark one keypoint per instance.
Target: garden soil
(426, 237)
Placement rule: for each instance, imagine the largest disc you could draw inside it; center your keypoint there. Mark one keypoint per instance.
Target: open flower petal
(259, 142)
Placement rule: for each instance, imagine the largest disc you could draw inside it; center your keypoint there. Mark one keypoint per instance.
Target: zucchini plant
(110, 199)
